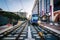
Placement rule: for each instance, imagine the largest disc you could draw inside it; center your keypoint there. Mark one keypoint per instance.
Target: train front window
(35, 15)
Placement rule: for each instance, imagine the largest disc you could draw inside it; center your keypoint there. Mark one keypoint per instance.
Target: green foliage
(9, 15)
(12, 15)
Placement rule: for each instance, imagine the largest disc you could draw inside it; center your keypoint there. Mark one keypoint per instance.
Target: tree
(1, 9)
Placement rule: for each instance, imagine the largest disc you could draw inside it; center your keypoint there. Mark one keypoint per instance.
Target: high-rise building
(47, 8)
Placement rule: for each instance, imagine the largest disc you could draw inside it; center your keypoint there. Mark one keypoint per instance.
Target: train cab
(34, 19)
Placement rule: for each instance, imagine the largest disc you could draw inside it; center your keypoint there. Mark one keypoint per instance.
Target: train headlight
(39, 22)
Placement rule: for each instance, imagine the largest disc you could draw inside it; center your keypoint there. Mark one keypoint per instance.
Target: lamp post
(19, 11)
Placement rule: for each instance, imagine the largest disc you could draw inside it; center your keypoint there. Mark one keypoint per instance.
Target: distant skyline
(16, 5)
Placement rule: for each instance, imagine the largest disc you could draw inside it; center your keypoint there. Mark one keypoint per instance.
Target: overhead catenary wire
(22, 5)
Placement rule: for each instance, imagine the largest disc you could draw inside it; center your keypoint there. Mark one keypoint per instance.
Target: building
(44, 8)
(47, 8)
(35, 8)
(57, 16)
(21, 14)
(57, 11)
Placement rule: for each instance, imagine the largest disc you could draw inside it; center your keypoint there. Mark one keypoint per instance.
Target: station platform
(53, 28)
(5, 28)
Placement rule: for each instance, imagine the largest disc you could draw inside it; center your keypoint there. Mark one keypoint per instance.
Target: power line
(22, 5)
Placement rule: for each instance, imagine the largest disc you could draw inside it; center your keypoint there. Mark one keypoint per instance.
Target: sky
(16, 5)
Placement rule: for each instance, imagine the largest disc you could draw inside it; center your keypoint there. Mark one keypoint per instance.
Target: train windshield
(35, 15)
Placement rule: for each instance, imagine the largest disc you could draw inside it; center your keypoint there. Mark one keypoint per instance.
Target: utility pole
(38, 10)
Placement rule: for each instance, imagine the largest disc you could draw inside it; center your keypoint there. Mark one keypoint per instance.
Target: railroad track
(27, 32)
(51, 32)
(35, 34)
(44, 34)
(12, 34)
